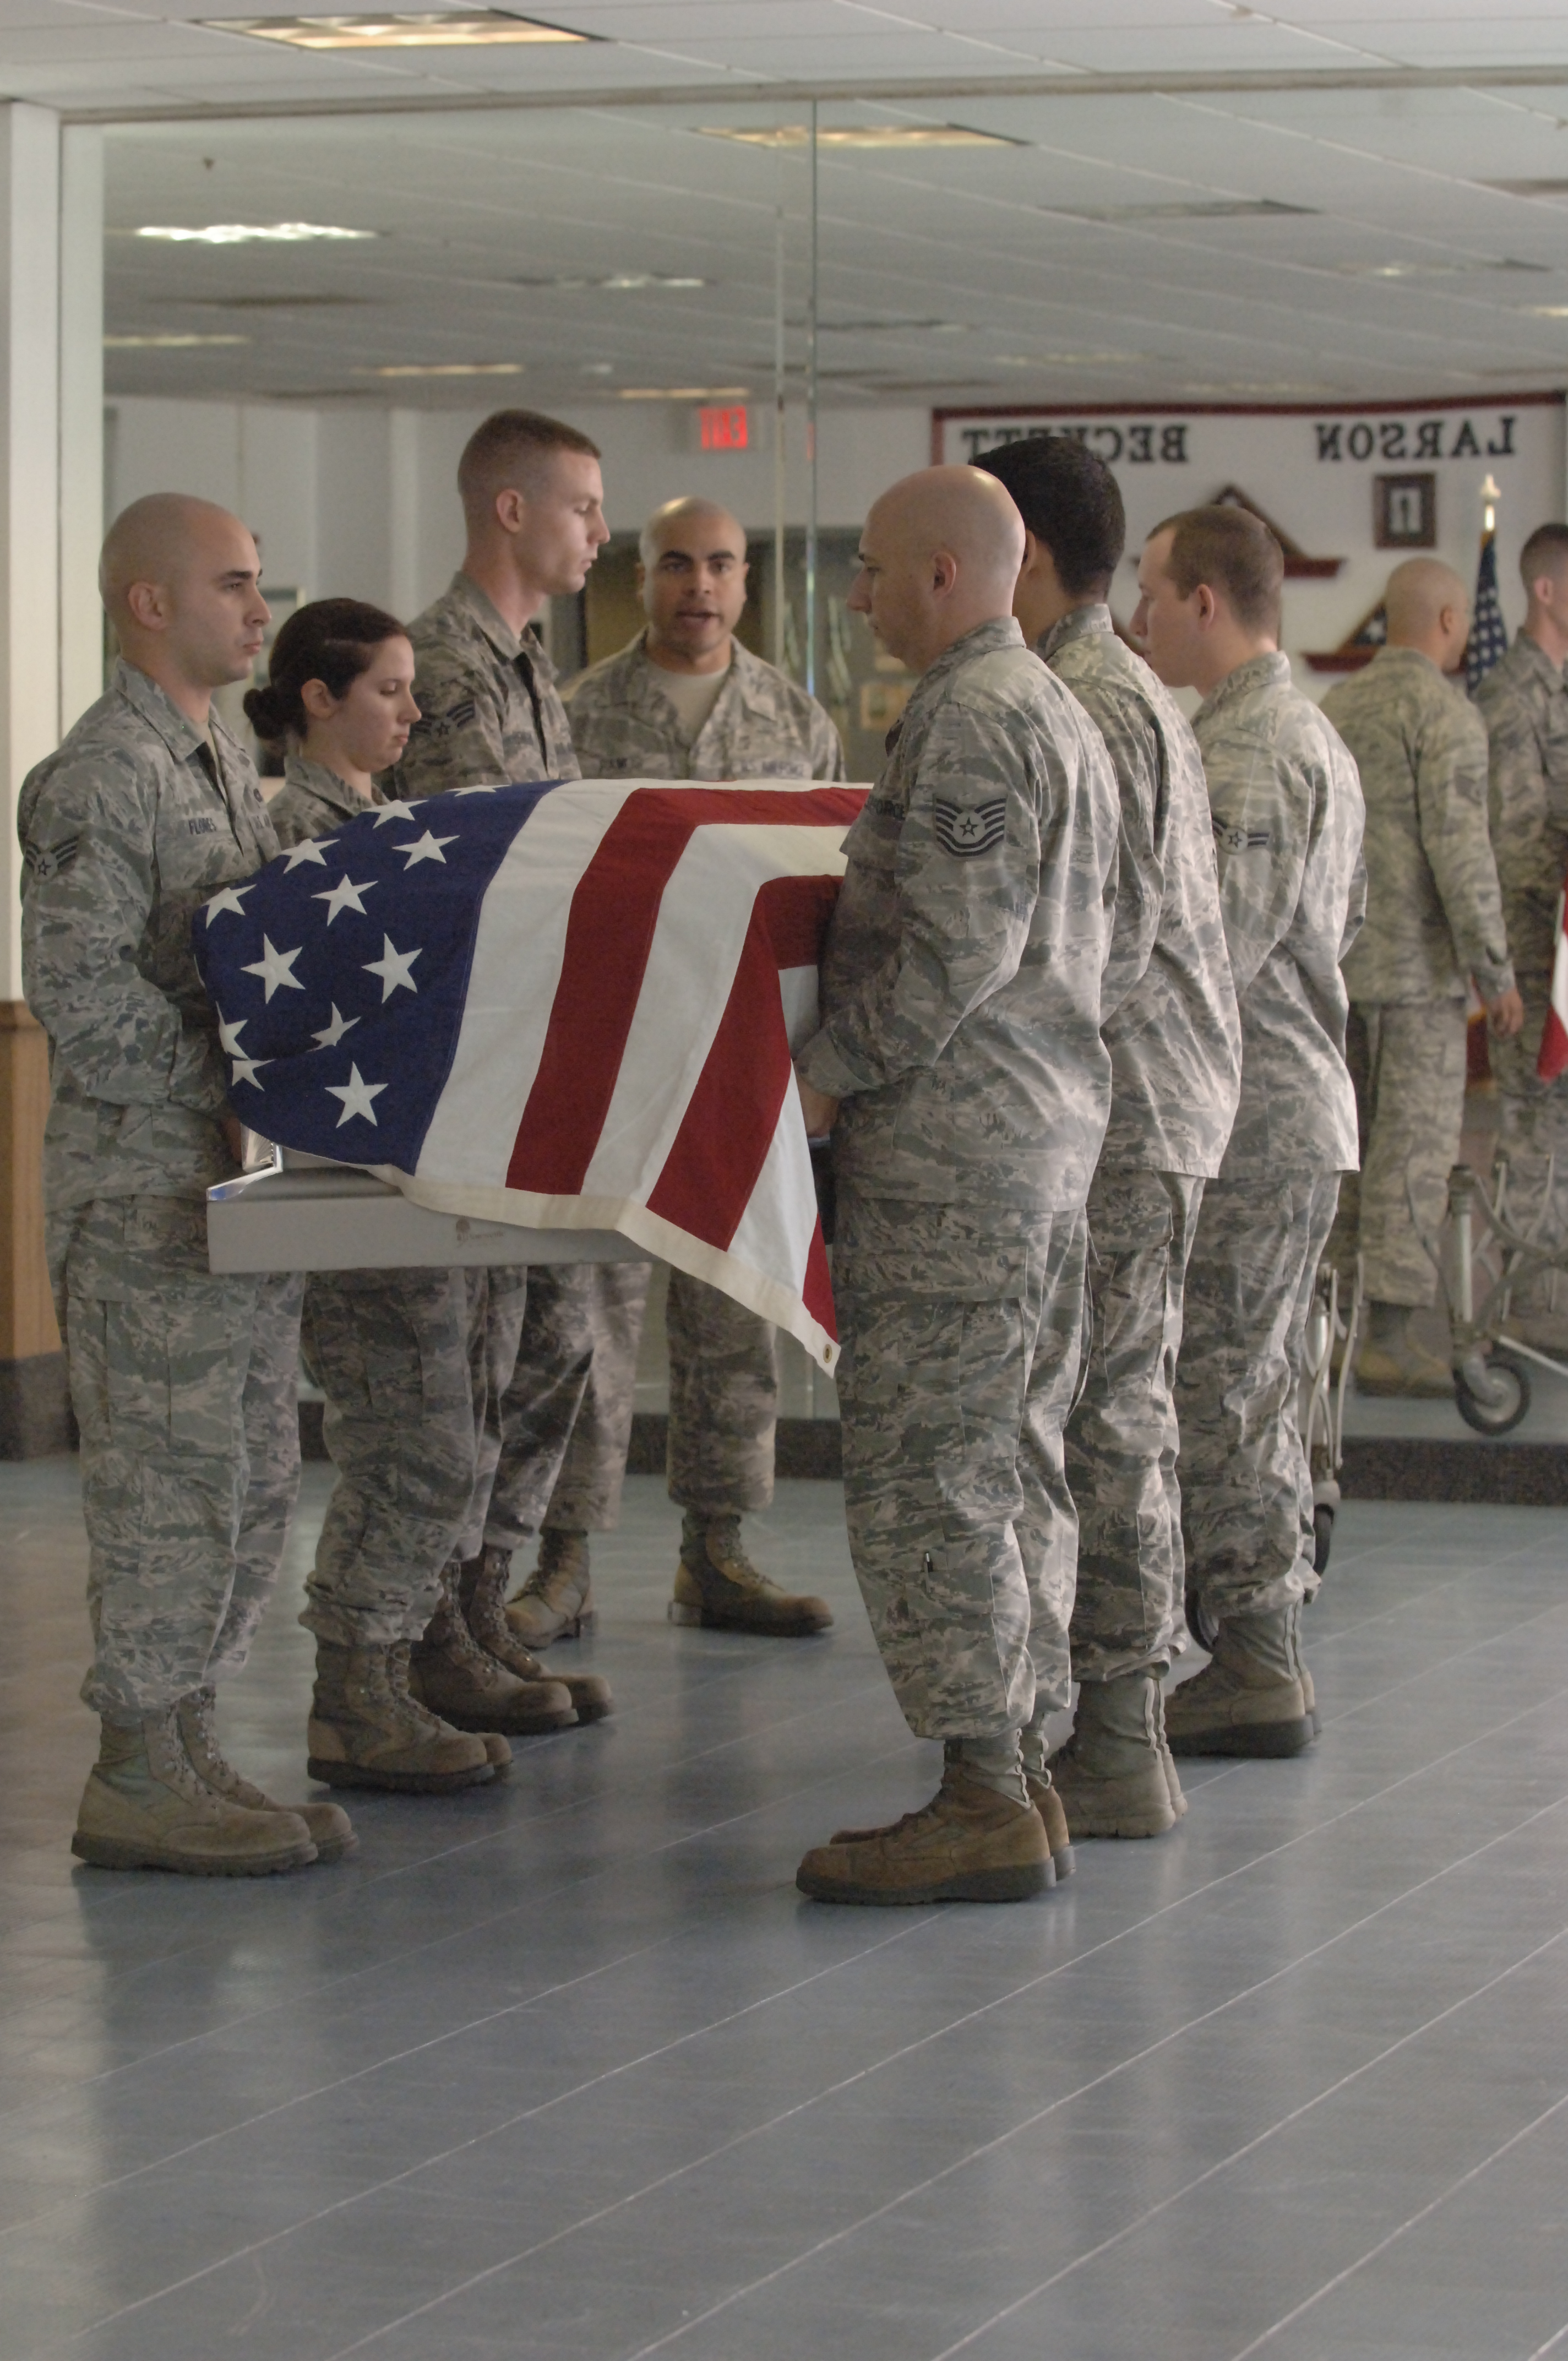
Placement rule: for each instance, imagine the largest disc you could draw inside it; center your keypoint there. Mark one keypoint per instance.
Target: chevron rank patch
(967, 830)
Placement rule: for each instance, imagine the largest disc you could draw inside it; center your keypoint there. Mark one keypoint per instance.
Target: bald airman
(183, 1383)
(685, 699)
(1434, 920)
(960, 1069)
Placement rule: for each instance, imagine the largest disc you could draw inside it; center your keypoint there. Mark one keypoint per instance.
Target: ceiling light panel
(441, 29)
(166, 344)
(893, 137)
(1185, 209)
(443, 368)
(250, 232)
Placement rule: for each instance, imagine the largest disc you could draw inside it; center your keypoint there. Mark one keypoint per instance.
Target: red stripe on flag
(1553, 1058)
(615, 911)
(719, 1152)
(816, 1290)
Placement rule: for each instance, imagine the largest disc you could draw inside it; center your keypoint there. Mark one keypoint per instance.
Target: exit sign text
(725, 429)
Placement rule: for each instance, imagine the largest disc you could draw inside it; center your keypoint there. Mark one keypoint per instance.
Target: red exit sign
(725, 429)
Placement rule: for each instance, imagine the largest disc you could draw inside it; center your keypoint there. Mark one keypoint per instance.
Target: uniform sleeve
(1137, 761)
(1451, 811)
(88, 894)
(969, 878)
(1262, 809)
(459, 740)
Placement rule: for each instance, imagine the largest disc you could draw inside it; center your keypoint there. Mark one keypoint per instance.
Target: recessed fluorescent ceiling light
(1428, 270)
(886, 328)
(619, 281)
(1064, 360)
(1545, 311)
(457, 29)
(1194, 209)
(1528, 187)
(167, 344)
(264, 303)
(683, 392)
(445, 368)
(862, 134)
(249, 233)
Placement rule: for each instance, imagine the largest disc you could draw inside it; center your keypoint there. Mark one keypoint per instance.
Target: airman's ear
(150, 604)
(510, 508)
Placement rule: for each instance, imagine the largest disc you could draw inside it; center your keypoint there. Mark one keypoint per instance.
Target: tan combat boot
(1167, 1760)
(366, 1731)
(1392, 1361)
(1248, 1701)
(332, 1831)
(1111, 1775)
(451, 1674)
(556, 1602)
(1053, 1820)
(482, 1594)
(144, 1806)
(968, 1844)
(718, 1587)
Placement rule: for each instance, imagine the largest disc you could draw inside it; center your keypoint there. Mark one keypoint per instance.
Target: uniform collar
(1270, 671)
(315, 779)
(465, 592)
(986, 638)
(158, 708)
(746, 673)
(1531, 653)
(1076, 624)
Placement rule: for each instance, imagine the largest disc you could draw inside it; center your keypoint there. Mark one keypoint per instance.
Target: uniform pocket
(174, 1369)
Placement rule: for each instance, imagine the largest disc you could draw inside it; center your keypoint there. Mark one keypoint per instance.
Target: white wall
(362, 503)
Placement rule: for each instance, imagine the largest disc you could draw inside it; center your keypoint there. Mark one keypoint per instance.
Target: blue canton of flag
(377, 921)
(1488, 632)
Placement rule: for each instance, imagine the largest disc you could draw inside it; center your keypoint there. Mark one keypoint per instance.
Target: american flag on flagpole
(564, 1006)
(1488, 632)
(1552, 1059)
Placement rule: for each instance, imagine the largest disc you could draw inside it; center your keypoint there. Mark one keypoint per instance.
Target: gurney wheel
(1498, 1407)
(1322, 1536)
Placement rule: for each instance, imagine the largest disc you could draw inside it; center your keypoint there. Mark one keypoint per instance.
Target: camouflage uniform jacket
(1287, 818)
(489, 709)
(762, 725)
(960, 983)
(312, 801)
(1435, 918)
(1175, 1037)
(125, 834)
(1524, 703)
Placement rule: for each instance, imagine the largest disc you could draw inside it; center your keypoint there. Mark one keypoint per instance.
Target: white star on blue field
(342, 936)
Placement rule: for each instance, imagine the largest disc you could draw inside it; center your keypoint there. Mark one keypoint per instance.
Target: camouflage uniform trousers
(962, 1334)
(724, 1400)
(391, 1352)
(556, 1417)
(1246, 1489)
(1122, 1436)
(1407, 1060)
(184, 1384)
(1533, 1128)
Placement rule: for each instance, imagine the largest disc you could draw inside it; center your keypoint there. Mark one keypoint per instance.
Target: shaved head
(1417, 596)
(181, 578)
(670, 523)
(157, 539)
(940, 557)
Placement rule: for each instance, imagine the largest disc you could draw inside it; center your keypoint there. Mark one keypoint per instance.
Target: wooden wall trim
(27, 1314)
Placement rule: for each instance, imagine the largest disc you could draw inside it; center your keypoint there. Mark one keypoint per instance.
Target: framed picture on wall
(1404, 512)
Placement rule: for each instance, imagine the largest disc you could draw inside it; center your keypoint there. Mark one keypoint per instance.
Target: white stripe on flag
(780, 1220)
(511, 987)
(683, 999)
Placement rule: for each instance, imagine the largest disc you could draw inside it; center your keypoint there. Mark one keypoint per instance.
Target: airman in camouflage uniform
(490, 711)
(1434, 920)
(1174, 1044)
(724, 1367)
(389, 1349)
(1523, 701)
(182, 1380)
(960, 1036)
(1287, 813)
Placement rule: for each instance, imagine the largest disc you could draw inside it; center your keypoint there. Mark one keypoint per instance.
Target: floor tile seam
(1137, 1926)
(336, 1984)
(394, 2180)
(1116, 2237)
(549, 1816)
(788, 2114)
(1552, 2344)
(1423, 2213)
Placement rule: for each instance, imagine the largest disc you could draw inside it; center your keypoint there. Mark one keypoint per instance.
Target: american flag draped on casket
(1552, 1059)
(566, 1006)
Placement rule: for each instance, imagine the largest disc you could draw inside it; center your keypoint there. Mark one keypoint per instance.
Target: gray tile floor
(565, 2070)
